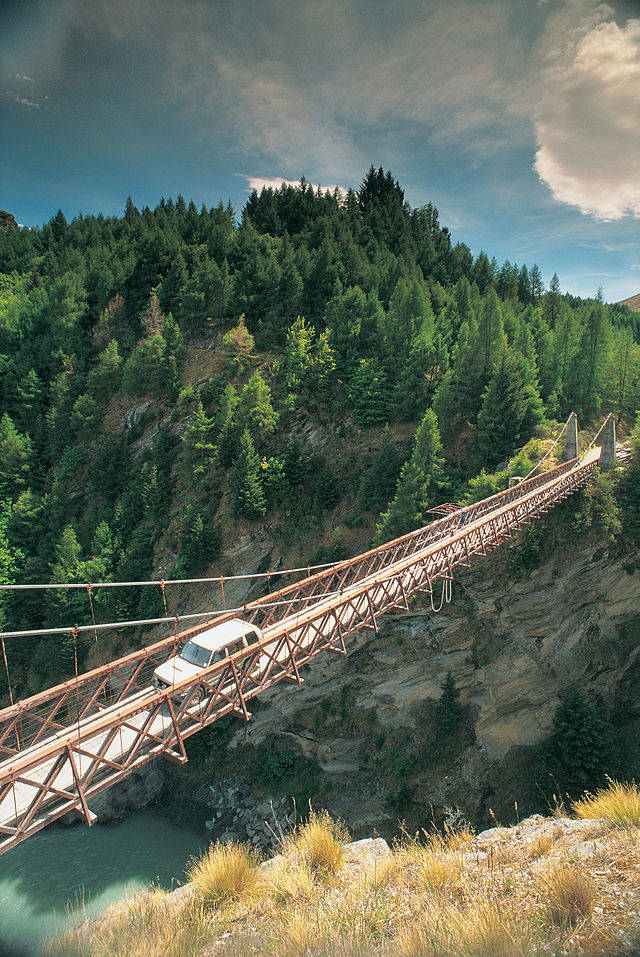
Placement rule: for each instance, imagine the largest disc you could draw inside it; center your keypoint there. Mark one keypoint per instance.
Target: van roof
(224, 633)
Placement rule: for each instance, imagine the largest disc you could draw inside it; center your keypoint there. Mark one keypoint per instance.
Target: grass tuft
(618, 803)
(480, 930)
(568, 895)
(288, 882)
(541, 845)
(225, 872)
(319, 843)
(426, 867)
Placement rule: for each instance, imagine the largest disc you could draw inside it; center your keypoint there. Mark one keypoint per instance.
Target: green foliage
(369, 393)
(255, 412)
(581, 751)
(449, 709)
(246, 485)
(599, 507)
(282, 770)
(509, 411)
(417, 486)
(379, 481)
(15, 451)
(198, 442)
(309, 361)
(199, 544)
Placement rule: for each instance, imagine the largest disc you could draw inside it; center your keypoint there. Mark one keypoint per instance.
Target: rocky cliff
(514, 645)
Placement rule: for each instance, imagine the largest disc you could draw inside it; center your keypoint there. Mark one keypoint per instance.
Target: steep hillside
(633, 303)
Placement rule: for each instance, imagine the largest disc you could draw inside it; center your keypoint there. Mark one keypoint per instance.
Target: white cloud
(588, 135)
(275, 182)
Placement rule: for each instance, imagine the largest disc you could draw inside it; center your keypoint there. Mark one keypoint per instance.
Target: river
(64, 874)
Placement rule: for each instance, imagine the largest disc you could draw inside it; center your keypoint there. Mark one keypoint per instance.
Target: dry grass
(568, 895)
(540, 846)
(442, 895)
(288, 882)
(145, 924)
(318, 844)
(619, 804)
(426, 867)
(225, 872)
(482, 929)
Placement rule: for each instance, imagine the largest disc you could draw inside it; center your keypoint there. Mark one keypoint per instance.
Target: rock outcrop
(7, 220)
(514, 646)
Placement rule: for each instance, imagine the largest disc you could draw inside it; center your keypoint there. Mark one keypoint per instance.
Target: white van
(204, 650)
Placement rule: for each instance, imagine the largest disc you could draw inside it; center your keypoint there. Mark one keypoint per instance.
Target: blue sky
(519, 119)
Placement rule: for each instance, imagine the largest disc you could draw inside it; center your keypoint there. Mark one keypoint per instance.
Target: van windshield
(195, 654)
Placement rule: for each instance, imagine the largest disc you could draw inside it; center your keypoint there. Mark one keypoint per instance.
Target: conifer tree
(582, 750)
(369, 393)
(255, 411)
(15, 450)
(198, 441)
(247, 495)
(504, 406)
(417, 486)
(491, 337)
(449, 709)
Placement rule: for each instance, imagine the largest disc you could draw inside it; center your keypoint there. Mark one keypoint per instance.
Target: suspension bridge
(61, 747)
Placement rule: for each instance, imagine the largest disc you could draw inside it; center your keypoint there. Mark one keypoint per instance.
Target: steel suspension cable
(169, 581)
(106, 626)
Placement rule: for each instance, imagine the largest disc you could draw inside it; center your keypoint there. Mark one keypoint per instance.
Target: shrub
(225, 872)
(618, 803)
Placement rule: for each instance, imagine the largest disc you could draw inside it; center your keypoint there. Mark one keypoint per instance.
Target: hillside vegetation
(323, 370)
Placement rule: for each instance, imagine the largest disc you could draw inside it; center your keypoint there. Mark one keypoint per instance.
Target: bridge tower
(570, 449)
(608, 439)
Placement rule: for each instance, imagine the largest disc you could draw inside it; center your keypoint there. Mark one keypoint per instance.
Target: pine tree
(369, 393)
(255, 411)
(247, 495)
(449, 709)
(379, 480)
(15, 450)
(417, 486)
(491, 338)
(582, 750)
(198, 441)
(504, 406)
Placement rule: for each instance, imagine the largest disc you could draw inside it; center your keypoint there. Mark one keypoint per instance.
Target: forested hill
(162, 375)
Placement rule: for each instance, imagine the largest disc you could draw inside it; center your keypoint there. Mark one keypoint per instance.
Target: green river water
(63, 868)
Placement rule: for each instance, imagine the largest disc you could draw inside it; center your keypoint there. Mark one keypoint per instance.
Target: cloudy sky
(519, 119)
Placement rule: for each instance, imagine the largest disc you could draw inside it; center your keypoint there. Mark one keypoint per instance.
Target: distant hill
(633, 302)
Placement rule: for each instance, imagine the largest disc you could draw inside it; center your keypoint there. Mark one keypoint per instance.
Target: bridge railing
(33, 719)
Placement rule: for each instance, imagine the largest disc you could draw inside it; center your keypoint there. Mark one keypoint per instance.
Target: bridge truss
(61, 747)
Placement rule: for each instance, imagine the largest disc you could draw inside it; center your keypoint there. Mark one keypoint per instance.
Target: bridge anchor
(570, 448)
(608, 439)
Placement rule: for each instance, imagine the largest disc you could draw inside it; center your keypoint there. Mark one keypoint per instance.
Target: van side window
(251, 638)
(232, 648)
